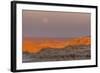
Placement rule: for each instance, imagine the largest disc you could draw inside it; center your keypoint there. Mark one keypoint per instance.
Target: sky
(55, 24)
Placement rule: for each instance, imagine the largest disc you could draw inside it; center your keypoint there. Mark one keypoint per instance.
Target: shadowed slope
(80, 52)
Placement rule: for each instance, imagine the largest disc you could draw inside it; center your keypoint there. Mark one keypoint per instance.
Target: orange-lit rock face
(35, 45)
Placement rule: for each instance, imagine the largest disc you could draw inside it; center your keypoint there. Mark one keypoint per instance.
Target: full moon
(45, 20)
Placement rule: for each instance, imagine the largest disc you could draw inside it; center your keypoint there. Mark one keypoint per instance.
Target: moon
(45, 20)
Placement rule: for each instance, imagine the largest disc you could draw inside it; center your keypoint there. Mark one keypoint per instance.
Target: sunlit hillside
(35, 45)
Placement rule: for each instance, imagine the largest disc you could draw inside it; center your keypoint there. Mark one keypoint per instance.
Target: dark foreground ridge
(80, 52)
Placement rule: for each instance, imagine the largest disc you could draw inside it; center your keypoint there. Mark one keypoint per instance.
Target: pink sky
(55, 24)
